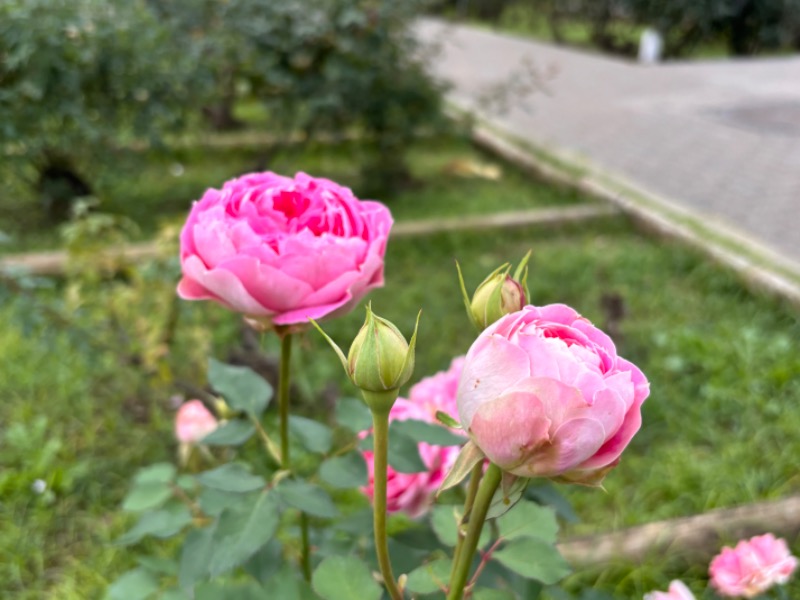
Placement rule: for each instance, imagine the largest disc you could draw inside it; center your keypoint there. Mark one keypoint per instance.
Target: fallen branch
(694, 538)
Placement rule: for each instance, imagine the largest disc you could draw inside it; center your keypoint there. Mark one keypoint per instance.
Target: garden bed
(719, 428)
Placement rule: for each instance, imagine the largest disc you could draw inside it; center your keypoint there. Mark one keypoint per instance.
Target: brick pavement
(719, 137)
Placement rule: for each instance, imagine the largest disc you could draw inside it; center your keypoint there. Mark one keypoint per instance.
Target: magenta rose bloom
(412, 493)
(752, 567)
(282, 250)
(677, 591)
(544, 394)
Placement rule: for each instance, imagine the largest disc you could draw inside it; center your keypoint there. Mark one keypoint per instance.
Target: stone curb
(758, 267)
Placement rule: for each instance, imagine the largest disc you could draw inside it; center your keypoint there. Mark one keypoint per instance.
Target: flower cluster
(412, 493)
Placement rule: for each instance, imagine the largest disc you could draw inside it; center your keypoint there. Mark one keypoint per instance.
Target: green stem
(483, 500)
(472, 491)
(283, 412)
(305, 557)
(380, 436)
(283, 398)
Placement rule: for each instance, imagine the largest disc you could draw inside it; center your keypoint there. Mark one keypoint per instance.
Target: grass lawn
(720, 427)
(152, 188)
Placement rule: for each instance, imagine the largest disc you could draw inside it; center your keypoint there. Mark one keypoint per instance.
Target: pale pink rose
(544, 394)
(677, 591)
(282, 250)
(412, 493)
(193, 422)
(752, 567)
(438, 392)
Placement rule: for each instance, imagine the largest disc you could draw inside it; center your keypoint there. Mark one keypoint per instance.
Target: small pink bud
(193, 422)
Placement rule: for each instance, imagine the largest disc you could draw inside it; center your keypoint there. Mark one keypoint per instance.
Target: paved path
(719, 137)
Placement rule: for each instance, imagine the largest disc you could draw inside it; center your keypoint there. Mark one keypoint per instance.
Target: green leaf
(229, 590)
(286, 584)
(529, 519)
(353, 414)
(242, 388)
(404, 452)
(307, 497)
(533, 559)
(315, 436)
(137, 584)
(195, 556)
(430, 577)
(346, 471)
(429, 433)
(444, 521)
(213, 502)
(503, 501)
(345, 578)
(157, 473)
(469, 456)
(151, 488)
(158, 565)
(447, 420)
(490, 594)
(232, 477)
(160, 523)
(239, 534)
(147, 495)
(232, 433)
(174, 594)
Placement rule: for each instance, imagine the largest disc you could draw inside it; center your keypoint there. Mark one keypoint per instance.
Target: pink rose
(677, 591)
(412, 493)
(283, 250)
(752, 567)
(438, 392)
(544, 394)
(193, 422)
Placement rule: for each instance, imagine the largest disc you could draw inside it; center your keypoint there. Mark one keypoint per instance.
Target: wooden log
(695, 538)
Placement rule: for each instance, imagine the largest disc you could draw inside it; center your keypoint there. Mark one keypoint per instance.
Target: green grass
(152, 188)
(719, 428)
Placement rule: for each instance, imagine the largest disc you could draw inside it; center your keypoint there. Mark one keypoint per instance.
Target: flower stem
(283, 398)
(477, 516)
(472, 491)
(380, 435)
(283, 413)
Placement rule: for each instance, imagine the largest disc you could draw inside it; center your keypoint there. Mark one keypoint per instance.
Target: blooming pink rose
(283, 250)
(193, 422)
(438, 392)
(412, 492)
(752, 567)
(677, 591)
(544, 394)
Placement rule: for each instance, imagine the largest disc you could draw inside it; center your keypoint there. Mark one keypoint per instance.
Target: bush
(76, 75)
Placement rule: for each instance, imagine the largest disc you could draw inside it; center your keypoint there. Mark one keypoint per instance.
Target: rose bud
(380, 360)
(498, 295)
(677, 591)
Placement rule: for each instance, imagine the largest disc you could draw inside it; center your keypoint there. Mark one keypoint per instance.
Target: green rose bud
(380, 360)
(498, 295)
